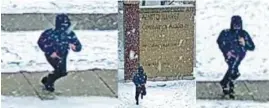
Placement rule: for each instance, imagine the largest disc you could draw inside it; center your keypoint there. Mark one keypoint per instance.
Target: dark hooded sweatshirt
(228, 39)
(140, 77)
(58, 39)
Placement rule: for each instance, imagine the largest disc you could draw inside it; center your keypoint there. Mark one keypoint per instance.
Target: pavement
(83, 83)
(244, 90)
(42, 21)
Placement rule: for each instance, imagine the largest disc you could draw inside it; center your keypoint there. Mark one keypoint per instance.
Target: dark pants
(59, 66)
(232, 73)
(140, 90)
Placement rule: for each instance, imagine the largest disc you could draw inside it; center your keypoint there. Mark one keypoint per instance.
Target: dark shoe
(232, 96)
(49, 88)
(137, 103)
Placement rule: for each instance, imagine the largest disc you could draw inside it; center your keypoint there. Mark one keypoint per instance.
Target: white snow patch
(133, 55)
(20, 51)
(174, 95)
(214, 16)
(59, 6)
(230, 104)
(60, 102)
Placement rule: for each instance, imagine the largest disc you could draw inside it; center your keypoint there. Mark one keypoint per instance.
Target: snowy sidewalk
(42, 21)
(245, 90)
(230, 104)
(175, 94)
(160, 94)
(84, 83)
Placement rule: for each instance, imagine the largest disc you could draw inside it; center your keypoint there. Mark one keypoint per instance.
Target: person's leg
(137, 93)
(143, 91)
(235, 74)
(225, 82)
(235, 67)
(60, 71)
(48, 80)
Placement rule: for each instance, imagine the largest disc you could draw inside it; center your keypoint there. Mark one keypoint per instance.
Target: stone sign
(166, 41)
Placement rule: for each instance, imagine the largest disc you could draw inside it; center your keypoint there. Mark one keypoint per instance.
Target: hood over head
(236, 23)
(140, 70)
(62, 22)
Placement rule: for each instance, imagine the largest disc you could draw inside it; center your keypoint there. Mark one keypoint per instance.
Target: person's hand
(72, 46)
(54, 55)
(230, 54)
(242, 41)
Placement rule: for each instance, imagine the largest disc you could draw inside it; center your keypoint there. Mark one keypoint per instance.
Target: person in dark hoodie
(140, 79)
(233, 43)
(55, 43)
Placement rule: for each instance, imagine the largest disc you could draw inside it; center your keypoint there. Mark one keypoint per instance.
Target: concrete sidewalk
(42, 21)
(84, 83)
(244, 90)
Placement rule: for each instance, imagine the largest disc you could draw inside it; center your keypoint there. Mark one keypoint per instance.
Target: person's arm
(44, 43)
(135, 80)
(75, 41)
(249, 44)
(221, 42)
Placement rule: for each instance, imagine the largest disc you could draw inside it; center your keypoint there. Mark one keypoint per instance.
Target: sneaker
(232, 96)
(49, 88)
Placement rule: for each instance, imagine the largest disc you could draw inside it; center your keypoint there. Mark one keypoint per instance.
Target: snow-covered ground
(176, 94)
(20, 52)
(214, 16)
(60, 102)
(230, 104)
(59, 6)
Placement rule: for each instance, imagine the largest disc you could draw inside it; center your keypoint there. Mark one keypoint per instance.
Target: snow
(230, 104)
(214, 16)
(59, 6)
(175, 94)
(20, 52)
(60, 102)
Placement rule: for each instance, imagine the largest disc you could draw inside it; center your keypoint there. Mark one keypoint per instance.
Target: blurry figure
(163, 2)
(233, 43)
(140, 79)
(55, 43)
